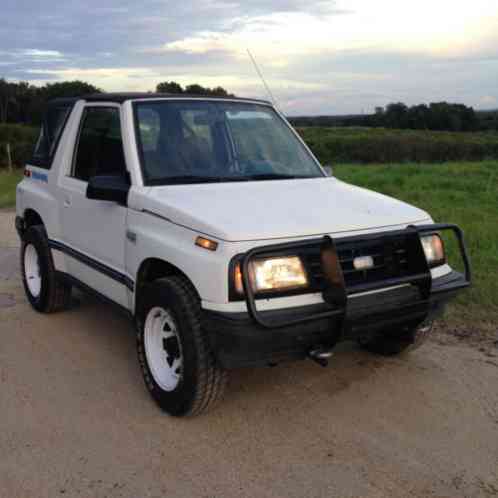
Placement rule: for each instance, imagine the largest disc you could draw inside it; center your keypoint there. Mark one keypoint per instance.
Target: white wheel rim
(32, 270)
(163, 348)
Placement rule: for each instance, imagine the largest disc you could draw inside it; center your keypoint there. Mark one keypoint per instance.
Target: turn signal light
(208, 244)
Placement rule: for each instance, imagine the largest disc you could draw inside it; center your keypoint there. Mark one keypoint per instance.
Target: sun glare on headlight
(277, 273)
(433, 249)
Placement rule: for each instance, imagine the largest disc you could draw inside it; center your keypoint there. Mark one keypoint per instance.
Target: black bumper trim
(239, 341)
(93, 263)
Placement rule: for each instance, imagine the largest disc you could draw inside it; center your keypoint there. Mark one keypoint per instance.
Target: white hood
(258, 210)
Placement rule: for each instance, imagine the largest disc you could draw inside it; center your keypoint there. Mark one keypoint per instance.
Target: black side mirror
(113, 188)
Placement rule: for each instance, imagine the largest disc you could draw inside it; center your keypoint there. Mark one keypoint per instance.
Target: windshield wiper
(186, 179)
(276, 176)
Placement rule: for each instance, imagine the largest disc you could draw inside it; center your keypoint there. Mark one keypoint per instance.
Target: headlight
(278, 273)
(433, 249)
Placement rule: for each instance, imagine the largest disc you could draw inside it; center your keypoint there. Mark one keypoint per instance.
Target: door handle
(67, 201)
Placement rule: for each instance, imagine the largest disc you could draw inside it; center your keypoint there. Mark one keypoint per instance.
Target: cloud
(318, 56)
(489, 101)
(272, 36)
(34, 52)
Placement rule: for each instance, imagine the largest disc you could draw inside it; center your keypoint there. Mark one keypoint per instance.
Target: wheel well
(152, 269)
(31, 217)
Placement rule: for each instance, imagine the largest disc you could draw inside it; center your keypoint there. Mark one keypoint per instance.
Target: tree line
(24, 103)
(438, 116)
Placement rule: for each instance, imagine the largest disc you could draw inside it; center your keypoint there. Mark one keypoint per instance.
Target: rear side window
(50, 133)
(100, 145)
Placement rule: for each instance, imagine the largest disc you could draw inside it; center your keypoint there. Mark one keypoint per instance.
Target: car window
(261, 141)
(40, 154)
(195, 141)
(177, 138)
(149, 129)
(100, 144)
(50, 132)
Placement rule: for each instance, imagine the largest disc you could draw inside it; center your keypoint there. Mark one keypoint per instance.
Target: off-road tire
(55, 295)
(203, 381)
(395, 342)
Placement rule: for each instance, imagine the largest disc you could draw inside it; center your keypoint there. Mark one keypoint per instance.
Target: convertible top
(122, 97)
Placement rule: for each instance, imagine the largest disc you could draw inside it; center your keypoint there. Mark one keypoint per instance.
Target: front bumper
(265, 337)
(238, 341)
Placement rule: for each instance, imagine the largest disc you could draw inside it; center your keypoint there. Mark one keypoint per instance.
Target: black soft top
(121, 97)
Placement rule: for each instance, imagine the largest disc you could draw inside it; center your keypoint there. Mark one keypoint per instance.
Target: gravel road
(76, 421)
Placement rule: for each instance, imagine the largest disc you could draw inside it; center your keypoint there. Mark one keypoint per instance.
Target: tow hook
(321, 356)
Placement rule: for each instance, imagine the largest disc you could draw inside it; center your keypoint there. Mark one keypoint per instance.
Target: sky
(318, 57)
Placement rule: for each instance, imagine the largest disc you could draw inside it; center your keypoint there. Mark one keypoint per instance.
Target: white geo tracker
(213, 225)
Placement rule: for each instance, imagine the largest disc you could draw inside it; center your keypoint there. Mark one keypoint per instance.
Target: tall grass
(378, 145)
(22, 140)
(8, 182)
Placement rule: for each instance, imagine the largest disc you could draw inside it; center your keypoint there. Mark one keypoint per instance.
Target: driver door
(93, 231)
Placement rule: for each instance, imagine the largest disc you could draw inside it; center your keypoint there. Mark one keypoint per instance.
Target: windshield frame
(147, 182)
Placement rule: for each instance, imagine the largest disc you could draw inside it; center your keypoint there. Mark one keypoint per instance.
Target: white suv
(213, 225)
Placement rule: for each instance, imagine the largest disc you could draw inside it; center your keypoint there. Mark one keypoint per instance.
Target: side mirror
(113, 188)
(329, 170)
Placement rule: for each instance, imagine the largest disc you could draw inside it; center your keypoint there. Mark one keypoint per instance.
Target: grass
(379, 145)
(8, 182)
(461, 193)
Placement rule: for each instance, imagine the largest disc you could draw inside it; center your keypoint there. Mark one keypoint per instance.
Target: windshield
(213, 141)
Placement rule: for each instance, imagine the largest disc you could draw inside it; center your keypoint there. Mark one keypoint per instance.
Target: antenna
(272, 98)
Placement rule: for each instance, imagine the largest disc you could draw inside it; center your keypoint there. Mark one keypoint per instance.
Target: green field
(379, 145)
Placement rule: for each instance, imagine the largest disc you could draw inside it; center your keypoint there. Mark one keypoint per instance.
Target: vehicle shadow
(110, 337)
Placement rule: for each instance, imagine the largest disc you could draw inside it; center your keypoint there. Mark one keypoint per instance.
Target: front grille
(393, 257)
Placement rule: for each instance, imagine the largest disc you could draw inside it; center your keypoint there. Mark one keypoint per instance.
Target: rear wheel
(44, 290)
(179, 368)
(394, 342)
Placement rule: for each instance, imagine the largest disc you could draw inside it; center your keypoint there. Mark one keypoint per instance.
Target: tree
(192, 89)
(396, 115)
(196, 89)
(169, 87)
(7, 99)
(68, 89)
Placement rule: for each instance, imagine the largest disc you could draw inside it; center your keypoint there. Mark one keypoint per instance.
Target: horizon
(328, 58)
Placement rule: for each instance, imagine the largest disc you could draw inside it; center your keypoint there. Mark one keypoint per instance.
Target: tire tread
(211, 378)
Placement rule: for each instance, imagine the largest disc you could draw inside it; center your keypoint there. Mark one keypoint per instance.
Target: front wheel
(394, 342)
(179, 368)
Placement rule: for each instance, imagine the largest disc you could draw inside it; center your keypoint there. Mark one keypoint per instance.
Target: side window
(56, 119)
(40, 154)
(50, 132)
(100, 145)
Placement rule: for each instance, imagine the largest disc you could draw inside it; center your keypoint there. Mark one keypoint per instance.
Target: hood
(258, 210)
